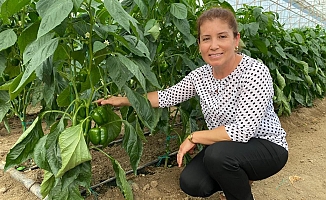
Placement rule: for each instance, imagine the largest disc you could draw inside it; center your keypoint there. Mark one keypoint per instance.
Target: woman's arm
(209, 137)
(123, 101)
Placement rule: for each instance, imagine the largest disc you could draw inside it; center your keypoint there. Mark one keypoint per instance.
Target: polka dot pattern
(242, 101)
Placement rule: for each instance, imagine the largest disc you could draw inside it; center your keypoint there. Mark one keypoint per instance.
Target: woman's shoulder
(252, 64)
(203, 71)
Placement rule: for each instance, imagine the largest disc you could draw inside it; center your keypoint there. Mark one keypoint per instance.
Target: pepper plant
(79, 51)
(294, 56)
(72, 52)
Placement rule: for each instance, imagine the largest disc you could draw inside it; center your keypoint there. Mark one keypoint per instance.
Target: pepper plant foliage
(72, 52)
(65, 54)
(295, 57)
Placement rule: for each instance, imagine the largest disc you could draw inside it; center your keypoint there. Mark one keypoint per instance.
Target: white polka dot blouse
(242, 101)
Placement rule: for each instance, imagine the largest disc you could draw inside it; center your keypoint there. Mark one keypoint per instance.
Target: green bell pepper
(100, 115)
(99, 136)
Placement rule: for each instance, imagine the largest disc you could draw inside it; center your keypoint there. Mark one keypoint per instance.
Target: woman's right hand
(115, 101)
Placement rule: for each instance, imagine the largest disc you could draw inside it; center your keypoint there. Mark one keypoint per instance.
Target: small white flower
(87, 35)
(106, 42)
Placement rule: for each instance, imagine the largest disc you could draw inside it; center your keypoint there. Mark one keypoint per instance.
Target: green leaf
(97, 46)
(259, 44)
(5, 104)
(40, 154)
(28, 36)
(65, 97)
(117, 71)
(282, 99)
(47, 183)
(137, 46)
(155, 31)
(7, 39)
(73, 149)
(3, 62)
(68, 186)
(52, 147)
(24, 146)
(280, 80)
(81, 28)
(119, 14)
(77, 4)
(304, 49)
(252, 28)
(308, 80)
(178, 10)
(114, 125)
(184, 27)
(31, 49)
(10, 7)
(134, 69)
(6, 85)
(299, 38)
(121, 180)
(52, 13)
(148, 115)
(146, 70)
(41, 55)
(188, 62)
(305, 67)
(280, 52)
(14, 91)
(133, 144)
(142, 7)
(300, 98)
(319, 89)
(189, 39)
(293, 77)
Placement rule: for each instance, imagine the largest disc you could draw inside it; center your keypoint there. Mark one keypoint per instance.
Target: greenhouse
(292, 13)
(162, 99)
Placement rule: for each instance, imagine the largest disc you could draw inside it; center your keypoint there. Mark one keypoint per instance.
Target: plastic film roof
(293, 13)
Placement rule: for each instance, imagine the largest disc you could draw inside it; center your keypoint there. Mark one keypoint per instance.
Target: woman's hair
(218, 13)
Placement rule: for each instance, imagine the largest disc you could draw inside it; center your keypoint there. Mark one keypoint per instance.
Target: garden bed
(301, 178)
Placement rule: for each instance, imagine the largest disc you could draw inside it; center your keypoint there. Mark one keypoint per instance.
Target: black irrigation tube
(129, 172)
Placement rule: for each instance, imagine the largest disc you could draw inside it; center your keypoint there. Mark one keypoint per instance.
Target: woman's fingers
(179, 158)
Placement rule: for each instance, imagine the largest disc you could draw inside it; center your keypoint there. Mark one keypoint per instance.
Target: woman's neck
(220, 72)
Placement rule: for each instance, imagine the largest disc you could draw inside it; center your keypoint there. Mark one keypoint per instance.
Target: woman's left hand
(185, 147)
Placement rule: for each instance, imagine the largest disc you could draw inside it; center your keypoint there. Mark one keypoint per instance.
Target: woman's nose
(214, 44)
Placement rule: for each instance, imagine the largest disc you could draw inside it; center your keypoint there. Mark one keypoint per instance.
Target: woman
(245, 141)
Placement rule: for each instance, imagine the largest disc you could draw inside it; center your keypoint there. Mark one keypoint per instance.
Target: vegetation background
(64, 54)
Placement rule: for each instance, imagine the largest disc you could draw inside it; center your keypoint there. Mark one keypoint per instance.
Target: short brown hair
(218, 13)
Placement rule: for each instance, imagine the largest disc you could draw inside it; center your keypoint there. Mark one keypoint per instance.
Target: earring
(236, 49)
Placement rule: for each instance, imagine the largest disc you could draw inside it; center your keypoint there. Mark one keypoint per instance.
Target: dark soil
(303, 177)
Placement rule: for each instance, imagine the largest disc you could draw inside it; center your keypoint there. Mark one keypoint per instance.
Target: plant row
(65, 54)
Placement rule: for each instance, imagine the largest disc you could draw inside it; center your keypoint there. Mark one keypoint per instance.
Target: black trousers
(228, 166)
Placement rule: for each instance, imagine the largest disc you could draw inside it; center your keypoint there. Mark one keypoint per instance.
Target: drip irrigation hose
(128, 172)
(34, 187)
(30, 184)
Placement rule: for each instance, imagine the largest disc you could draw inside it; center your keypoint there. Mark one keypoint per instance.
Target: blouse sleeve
(178, 93)
(255, 95)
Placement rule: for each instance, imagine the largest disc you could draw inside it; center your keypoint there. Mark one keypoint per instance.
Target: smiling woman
(218, 40)
(245, 140)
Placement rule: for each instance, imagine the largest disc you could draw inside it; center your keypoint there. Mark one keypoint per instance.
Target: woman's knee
(219, 158)
(204, 186)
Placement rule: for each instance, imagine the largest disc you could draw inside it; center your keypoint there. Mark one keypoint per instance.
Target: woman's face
(217, 43)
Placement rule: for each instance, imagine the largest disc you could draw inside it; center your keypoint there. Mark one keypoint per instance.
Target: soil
(303, 177)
